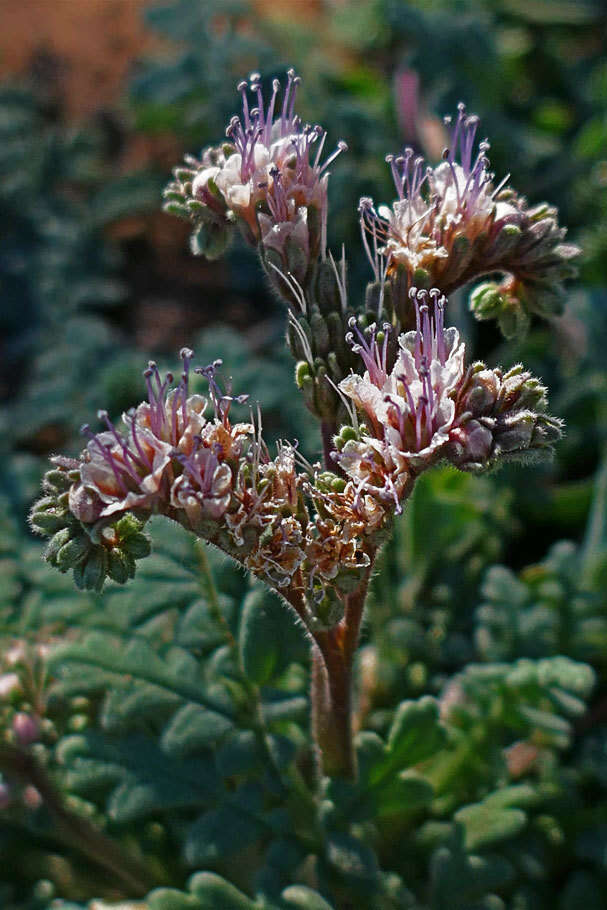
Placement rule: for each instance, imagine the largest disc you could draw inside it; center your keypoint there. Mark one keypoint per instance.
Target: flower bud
(71, 553)
(84, 503)
(328, 292)
(211, 237)
(486, 300)
(480, 392)
(320, 332)
(25, 728)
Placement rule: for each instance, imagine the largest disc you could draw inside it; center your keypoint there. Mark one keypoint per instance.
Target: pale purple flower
(451, 224)
(408, 410)
(168, 452)
(271, 162)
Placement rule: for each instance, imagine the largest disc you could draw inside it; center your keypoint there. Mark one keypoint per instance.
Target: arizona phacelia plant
(387, 379)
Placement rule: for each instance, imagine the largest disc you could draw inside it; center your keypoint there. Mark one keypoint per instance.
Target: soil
(78, 50)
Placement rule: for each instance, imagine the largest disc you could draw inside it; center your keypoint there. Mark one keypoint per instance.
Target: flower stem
(331, 696)
(74, 830)
(331, 692)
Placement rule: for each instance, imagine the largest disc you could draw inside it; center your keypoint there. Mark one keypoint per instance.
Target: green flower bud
(326, 397)
(308, 387)
(516, 432)
(73, 552)
(94, 570)
(48, 520)
(335, 369)
(486, 301)
(320, 332)
(297, 259)
(56, 542)
(57, 481)
(337, 335)
(211, 237)
(507, 240)
(347, 433)
(513, 320)
(120, 568)
(302, 371)
(296, 344)
(327, 289)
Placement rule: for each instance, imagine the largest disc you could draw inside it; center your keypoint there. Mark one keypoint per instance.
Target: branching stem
(74, 830)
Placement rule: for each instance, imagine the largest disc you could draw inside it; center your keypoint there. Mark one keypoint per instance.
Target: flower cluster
(267, 177)
(429, 407)
(451, 224)
(410, 399)
(212, 475)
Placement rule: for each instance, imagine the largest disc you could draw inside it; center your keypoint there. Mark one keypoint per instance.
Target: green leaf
(208, 892)
(269, 636)
(259, 641)
(193, 727)
(227, 830)
(299, 897)
(463, 882)
(351, 858)
(415, 735)
(402, 794)
(497, 818)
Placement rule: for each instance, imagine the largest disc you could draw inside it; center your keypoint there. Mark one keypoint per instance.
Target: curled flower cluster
(451, 224)
(213, 476)
(268, 177)
(429, 407)
(168, 452)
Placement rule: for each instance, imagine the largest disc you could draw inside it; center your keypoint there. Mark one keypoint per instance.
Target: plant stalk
(331, 696)
(331, 690)
(74, 830)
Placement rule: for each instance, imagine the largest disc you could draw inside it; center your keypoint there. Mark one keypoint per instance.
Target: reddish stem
(331, 705)
(332, 660)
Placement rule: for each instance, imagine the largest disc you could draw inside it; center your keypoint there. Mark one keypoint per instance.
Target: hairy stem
(331, 706)
(331, 695)
(74, 830)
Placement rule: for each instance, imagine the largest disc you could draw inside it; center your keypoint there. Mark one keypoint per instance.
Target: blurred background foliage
(173, 712)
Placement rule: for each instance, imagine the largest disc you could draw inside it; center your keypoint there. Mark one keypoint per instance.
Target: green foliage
(548, 609)
(173, 709)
